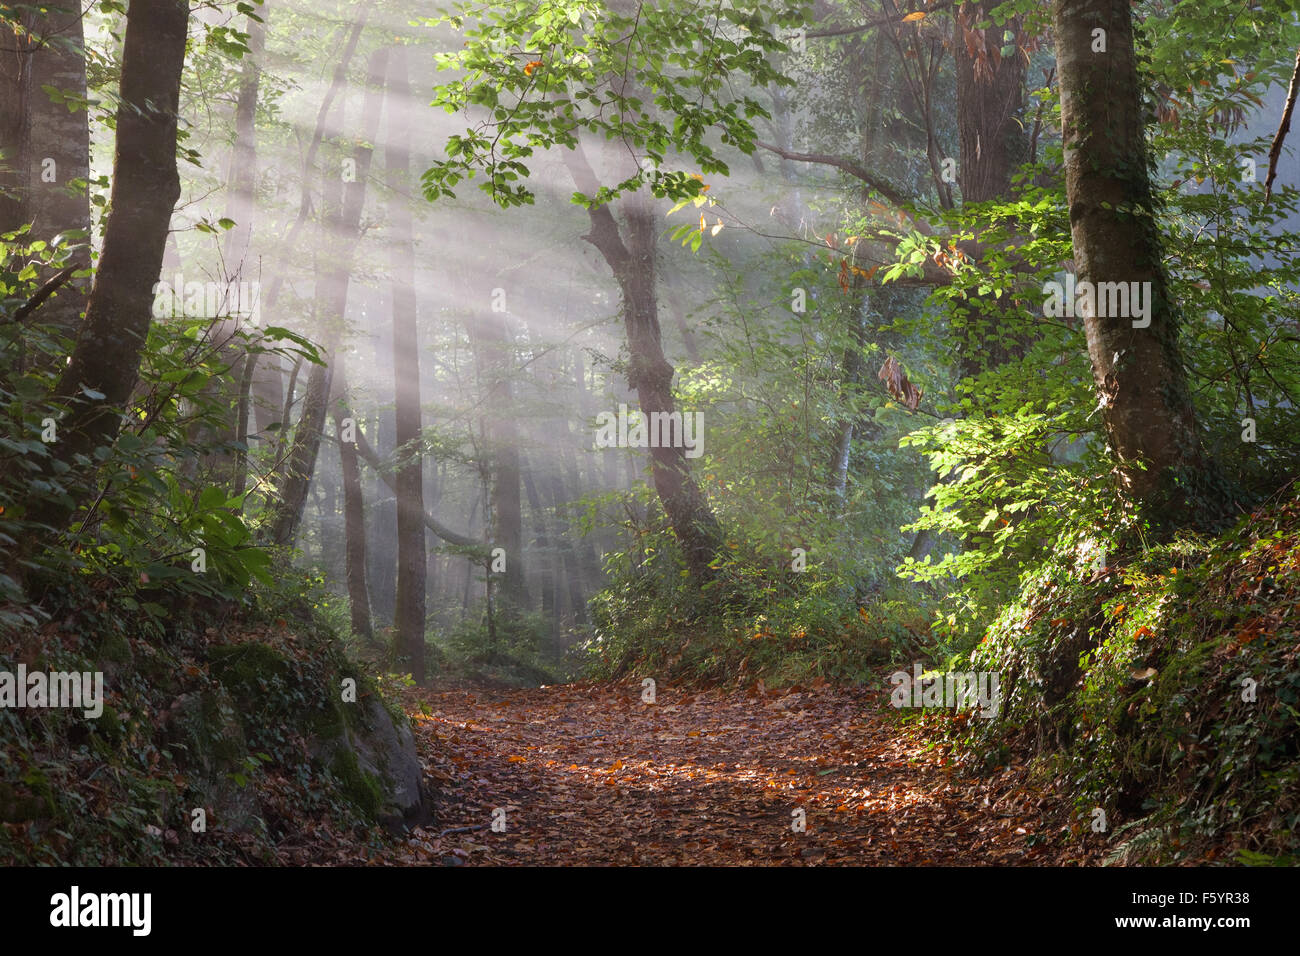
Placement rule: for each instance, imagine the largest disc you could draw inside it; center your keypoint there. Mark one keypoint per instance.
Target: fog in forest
(607, 358)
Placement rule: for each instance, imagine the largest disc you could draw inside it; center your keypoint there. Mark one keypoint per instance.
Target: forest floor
(588, 774)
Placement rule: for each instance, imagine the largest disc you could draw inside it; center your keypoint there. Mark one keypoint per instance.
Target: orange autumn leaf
(918, 15)
(516, 759)
(530, 66)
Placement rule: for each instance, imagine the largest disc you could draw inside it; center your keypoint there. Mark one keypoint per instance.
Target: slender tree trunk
(546, 556)
(243, 158)
(1141, 381)
(354, 520)
(241, 425)
(58, 146)
(342, 224)
(105, 363)
(568, 558)
(268, 381)
(493, 352)
(633, 264)
(406, 370)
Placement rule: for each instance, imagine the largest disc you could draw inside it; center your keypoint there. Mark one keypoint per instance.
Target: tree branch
(871, 25)
(39, 297)
(891, 192)
(372, 459)
(1275, 153)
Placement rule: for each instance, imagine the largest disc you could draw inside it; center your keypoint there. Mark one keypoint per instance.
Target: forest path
(589, 774)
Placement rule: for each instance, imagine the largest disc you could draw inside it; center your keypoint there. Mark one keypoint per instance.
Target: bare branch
(1275, 153)
(39, 297)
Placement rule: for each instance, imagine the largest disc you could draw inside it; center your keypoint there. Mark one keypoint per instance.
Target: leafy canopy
(660, 78)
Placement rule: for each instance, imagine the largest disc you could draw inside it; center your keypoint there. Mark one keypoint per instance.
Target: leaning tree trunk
(300, 464)
(633, 264)
(688, 511)
(268, 380)
(106, 360)
(406, 371)
(342, 223)
(1145, 402)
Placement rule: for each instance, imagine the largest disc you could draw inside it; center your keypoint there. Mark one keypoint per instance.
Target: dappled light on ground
(589, 774)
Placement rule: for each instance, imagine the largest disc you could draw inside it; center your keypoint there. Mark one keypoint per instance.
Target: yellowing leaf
(515, 759)
(918, 15)
(530, 66)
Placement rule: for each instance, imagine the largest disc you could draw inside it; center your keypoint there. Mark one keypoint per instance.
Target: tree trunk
(354, 519)
(268, 380)
(342, 224)
(301, 461)
(146, 185)
(406, 372)
(58, 152)
(993, 143)
(243, 159)
(633, 264)
(546, 557)
(493, 351)
(1141, 381)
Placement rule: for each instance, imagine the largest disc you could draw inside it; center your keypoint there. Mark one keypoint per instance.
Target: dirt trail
(590, 774)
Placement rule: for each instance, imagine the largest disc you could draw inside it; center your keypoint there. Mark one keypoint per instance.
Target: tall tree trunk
(106, 360)
(493, 353)
(993, 143)
(354, 519)
(568, 559)
(1141, 381)
(546, 557)
(243, 158)
(342, 223)
(406, 370)
(633, 264)
(58, 144)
